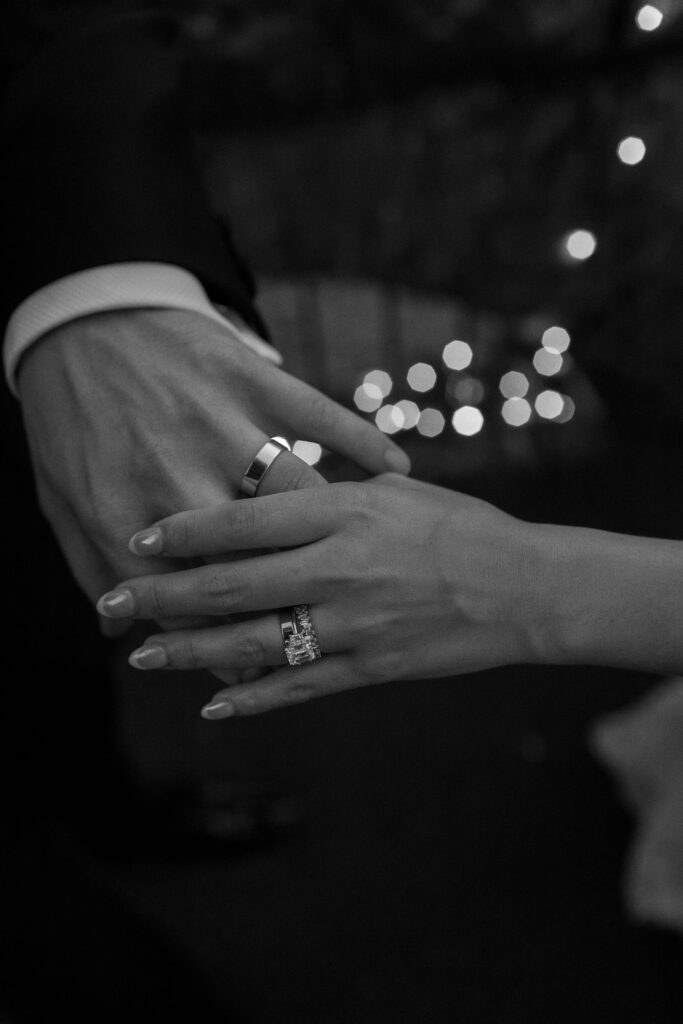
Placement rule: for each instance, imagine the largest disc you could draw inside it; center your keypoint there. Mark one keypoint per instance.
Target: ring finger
(254, 643)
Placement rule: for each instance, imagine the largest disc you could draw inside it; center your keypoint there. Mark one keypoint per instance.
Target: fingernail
(218, 709)
(146, 542)
(117, 604)
(148, 657)
(397, 461)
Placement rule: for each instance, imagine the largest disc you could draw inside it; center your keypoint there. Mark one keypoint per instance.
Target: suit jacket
(98, 164)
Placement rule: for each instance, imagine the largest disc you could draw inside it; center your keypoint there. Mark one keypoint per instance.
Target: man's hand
(133, 415)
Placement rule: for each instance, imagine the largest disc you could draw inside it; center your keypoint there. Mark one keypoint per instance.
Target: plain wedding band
(259, 466)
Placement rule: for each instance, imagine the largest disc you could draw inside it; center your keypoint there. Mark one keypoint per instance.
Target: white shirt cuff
(116, 286)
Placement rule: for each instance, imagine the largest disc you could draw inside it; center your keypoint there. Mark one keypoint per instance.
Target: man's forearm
(98, 166)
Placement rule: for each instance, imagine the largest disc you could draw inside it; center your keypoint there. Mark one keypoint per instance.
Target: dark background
(414, 166)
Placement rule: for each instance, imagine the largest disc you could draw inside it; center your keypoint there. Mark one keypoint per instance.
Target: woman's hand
(404, 580)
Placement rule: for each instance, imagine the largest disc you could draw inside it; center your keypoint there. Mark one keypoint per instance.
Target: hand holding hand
(132, 414)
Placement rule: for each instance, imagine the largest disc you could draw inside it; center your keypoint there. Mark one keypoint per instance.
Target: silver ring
(259, 466)
(298, 635)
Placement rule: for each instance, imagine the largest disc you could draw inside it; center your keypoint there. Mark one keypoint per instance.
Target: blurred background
(466, 218)
(404, 175)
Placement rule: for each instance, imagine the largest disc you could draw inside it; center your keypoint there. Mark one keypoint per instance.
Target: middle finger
(276, 580)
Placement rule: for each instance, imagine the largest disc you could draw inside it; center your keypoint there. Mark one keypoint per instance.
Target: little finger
(285, 687)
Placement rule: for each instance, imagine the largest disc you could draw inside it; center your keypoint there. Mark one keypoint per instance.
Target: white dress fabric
(643, 747)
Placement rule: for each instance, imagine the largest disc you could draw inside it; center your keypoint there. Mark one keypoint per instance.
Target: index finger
(313, 416)
(275, 521)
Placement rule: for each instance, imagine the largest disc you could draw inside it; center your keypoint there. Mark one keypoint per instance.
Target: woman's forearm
(618, 599)
(402, 580)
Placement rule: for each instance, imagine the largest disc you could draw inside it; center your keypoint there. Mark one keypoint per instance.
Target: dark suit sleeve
(99, 168)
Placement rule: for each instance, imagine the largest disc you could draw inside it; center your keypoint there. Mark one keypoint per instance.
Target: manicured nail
(146, 542)
(149, 657)
(117, 604)
(397, 461)
(218, 709)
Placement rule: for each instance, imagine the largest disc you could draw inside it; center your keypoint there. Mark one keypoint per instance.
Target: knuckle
(359, 503)
(244, 518)
(250, 651)
(357, 499)
(296, 475)
(391, 479)
(188, 653)
(223, 590)
(250, 702)
(155, 599)
(298, 694)
(320, 411)
(381, 667)
(179, 533)
(372, 672)
(345, 571)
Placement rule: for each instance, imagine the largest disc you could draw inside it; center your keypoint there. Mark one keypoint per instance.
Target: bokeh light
(389, 419)
(368, 397)
(465, 390)
(514, 384)
(202, 26)
(467, 420)
(580, 244)
(410, 411)
(556, 338)
(549, 404)
(568, 410)
(421, 377)
(631, 150)
(547, 362)
(516, 412)
(649, 18)
(308, 451)
(457, 355)
(431, 423)
(381, 380)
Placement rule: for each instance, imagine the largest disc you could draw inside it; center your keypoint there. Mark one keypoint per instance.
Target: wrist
(543, 606)
(611, 599)
(561, 585)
